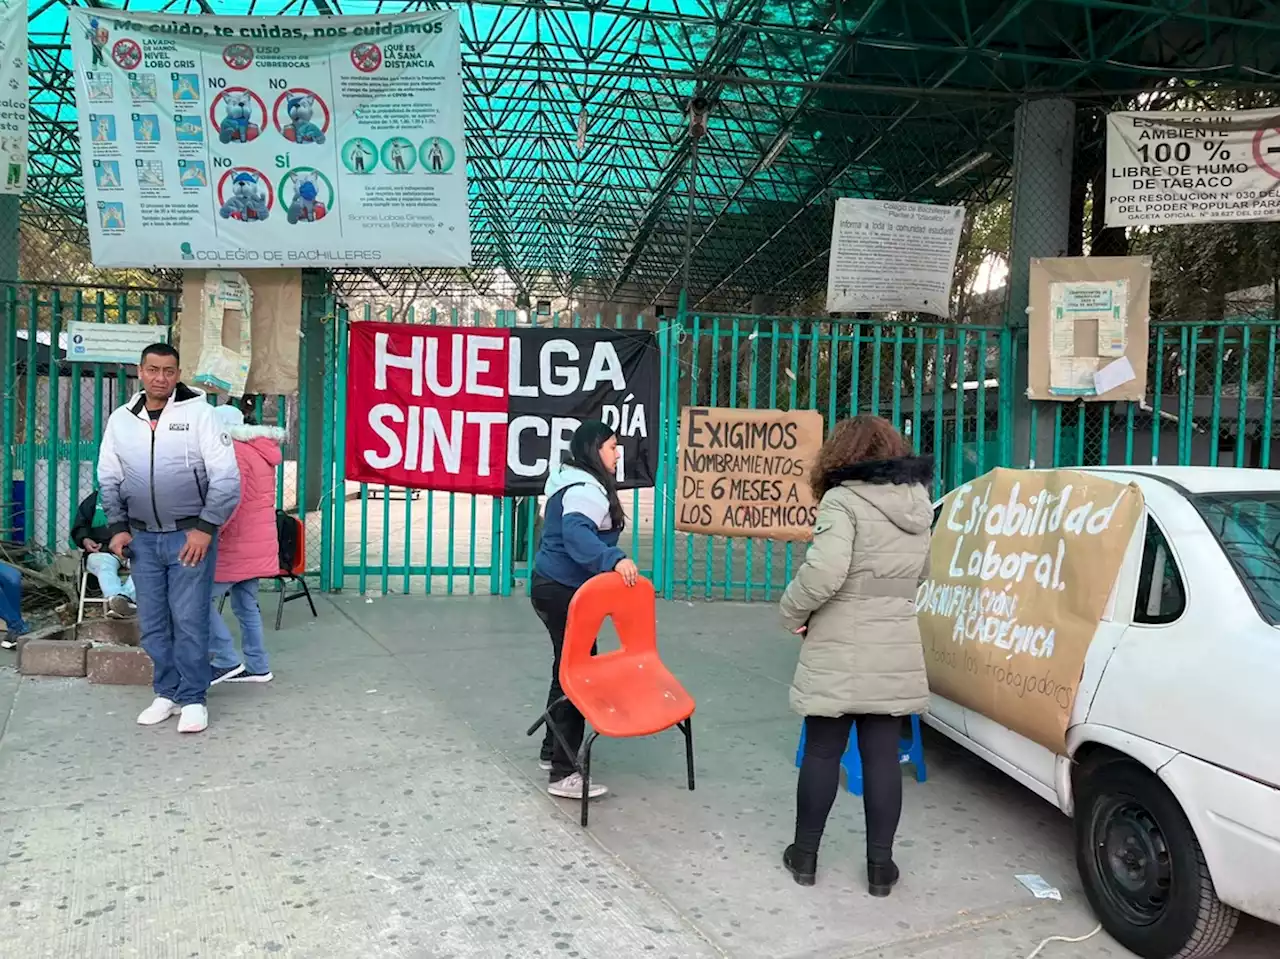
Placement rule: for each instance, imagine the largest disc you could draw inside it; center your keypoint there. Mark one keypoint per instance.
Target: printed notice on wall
(1170, 167)
(270, 142)
(1087, 322)
(1021, 567)
(1088, 329)
(888, 257)
(746, 472)
(13, 97)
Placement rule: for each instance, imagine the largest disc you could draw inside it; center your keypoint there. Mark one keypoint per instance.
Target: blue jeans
(105, 568)
(222, 648)
(11, 600)
(173, 603)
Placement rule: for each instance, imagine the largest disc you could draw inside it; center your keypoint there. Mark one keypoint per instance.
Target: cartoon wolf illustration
(302, 107)
(303, 206)
(236, 125)
(98, 36)
(247, 201)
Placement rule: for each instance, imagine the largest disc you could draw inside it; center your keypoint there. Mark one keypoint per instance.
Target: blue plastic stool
(909, 751)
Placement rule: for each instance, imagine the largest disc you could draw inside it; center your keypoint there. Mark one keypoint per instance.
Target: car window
(1247, 527)
(1161, 596)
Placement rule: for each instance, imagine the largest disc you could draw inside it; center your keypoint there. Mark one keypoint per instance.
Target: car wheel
(1143, 869)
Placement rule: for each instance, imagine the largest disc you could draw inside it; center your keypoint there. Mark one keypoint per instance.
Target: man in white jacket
(168, 479)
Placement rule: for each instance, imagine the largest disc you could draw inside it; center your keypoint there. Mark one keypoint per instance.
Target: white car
(1173, 777)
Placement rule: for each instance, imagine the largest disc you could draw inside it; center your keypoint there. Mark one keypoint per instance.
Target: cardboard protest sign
(1021, 566)
(746, 472)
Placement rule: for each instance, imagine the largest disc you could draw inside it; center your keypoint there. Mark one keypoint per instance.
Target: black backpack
(287, 534)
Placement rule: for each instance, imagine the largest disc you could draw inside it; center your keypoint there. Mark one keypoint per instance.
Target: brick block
(52, 657)
(116, 632)
(118, 665)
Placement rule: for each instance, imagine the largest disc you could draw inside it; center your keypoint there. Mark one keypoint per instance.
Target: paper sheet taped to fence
(271, 142)
(746, 472)
(1167, 167)
(888, 256)
(1021, 566)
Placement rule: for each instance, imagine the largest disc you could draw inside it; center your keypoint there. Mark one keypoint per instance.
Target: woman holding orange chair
(580, 533)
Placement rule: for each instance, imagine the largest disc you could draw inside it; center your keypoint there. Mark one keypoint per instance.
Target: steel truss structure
(581, 162)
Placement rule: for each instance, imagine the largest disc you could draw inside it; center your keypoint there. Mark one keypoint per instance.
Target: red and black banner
(490, 410)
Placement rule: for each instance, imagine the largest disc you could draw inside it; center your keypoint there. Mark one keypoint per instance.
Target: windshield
(1247, 525)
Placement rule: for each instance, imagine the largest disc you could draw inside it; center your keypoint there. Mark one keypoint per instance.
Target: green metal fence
(54, 411)
(953, 389)
(386, 539)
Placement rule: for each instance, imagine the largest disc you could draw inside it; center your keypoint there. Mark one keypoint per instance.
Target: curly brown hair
(859, 439)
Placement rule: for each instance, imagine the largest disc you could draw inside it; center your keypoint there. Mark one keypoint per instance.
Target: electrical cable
(1040, 948)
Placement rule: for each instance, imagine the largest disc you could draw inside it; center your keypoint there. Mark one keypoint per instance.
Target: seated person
(11, 605)
(90, 533)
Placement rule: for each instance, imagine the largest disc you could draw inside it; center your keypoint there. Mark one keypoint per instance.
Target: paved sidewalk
(381, 800)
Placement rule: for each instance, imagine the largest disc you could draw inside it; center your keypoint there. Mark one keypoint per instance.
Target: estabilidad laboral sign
(746, 472)
(1021, 566)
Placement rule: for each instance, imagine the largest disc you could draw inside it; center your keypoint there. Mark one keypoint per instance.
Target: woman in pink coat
(247, 549)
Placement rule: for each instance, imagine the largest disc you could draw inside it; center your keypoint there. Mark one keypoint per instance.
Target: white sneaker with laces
(571, 788)
(194, 719)
(158, 712)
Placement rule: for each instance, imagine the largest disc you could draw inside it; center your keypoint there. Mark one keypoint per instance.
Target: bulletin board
(1088, 324)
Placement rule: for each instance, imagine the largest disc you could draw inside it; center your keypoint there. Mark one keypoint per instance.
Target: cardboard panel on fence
(746, 472)
(277, 319)
(1021, 567)
(1088, 323)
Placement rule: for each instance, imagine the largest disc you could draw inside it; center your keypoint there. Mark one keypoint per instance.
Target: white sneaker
(195, 719)
(571, 788)
(158, 712)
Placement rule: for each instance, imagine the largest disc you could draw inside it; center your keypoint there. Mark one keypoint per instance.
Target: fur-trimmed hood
(897, 488)
(245, 433)
(265, 441)
(905, 469)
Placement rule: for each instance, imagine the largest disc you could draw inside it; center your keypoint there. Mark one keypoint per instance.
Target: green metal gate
(952, 389)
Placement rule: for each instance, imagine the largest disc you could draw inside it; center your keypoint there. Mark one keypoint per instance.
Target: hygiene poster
(244, 142)
(1021, 567)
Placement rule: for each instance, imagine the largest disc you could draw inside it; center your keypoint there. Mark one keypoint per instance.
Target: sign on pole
(240, 142)
(13, 97)
(492, 410)
(888, 257)
(1168, 167)
(111, 342)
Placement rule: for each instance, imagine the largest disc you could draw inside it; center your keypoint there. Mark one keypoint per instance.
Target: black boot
(881, 878)
(803, 866)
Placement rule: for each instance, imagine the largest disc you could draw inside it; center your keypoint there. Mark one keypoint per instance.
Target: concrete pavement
(380, 799)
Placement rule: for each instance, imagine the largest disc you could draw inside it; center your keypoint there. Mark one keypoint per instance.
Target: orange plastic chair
(625, 693)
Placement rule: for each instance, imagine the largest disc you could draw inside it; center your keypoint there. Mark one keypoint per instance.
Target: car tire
(1143, 870)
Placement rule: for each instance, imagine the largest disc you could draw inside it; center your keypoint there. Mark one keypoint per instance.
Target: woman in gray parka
(861, 660)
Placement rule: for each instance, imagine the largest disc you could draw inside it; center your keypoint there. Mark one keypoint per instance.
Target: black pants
(551, 603)
(825, 742)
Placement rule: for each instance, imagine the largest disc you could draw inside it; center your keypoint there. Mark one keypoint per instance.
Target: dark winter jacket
(90, 523)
